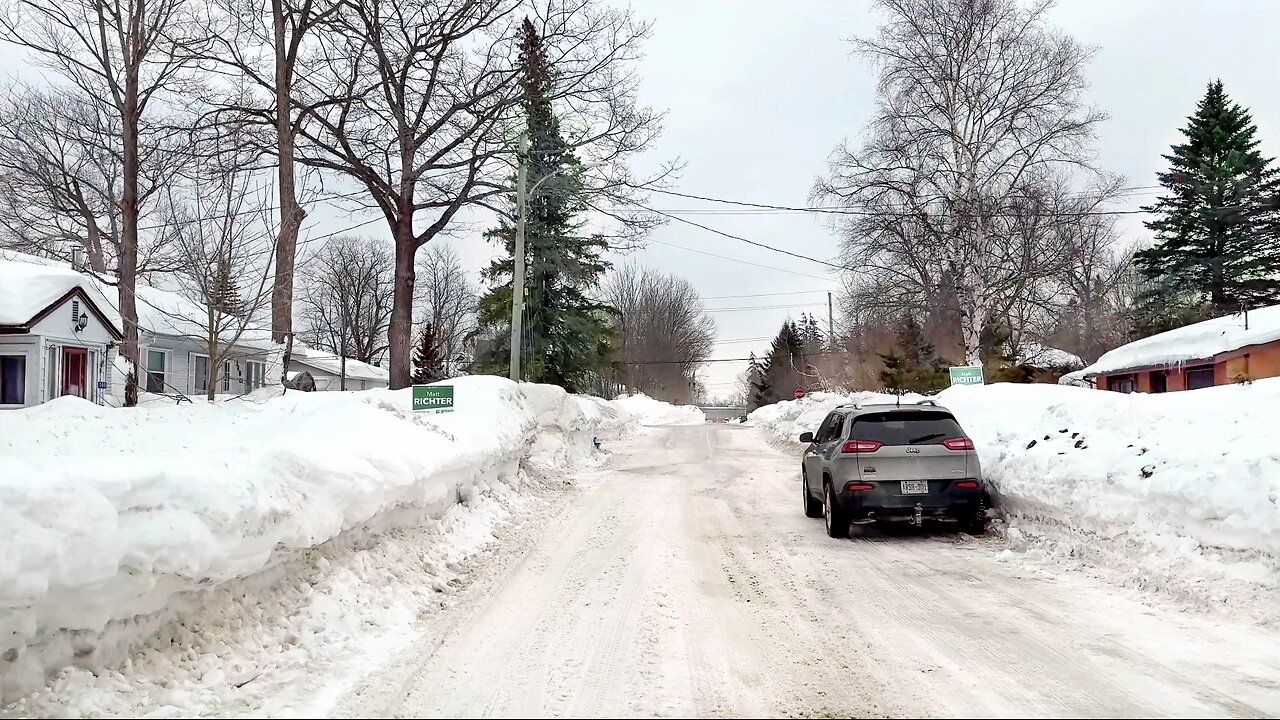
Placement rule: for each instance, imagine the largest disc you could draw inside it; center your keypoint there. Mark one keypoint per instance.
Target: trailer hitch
(919, 517)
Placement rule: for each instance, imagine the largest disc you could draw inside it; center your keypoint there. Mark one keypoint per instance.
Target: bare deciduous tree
(428, 91)
(980, 120)
(345, 295)
(60, 180)
(447, 300)
(121, 56)
(663, 332)
(221, 220)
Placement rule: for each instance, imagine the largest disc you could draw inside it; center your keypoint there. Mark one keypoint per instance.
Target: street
(683, 580)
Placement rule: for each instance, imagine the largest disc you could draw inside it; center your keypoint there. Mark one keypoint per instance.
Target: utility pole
(517, 264)
(831, 322)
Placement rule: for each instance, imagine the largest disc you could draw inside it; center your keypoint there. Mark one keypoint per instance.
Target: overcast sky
(757, 94)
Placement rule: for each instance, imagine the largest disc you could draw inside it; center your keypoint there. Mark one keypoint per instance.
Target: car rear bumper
(886, 503)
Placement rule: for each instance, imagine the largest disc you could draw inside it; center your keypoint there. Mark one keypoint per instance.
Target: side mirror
(806, 437)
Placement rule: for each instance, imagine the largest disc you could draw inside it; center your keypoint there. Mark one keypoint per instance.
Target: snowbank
(783, 422)
(111, 520)
(1177, 490)
(655, 412)
(1198, 341)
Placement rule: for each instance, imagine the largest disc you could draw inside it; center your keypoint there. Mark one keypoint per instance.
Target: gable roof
(1200, 341)
(331, 364)
(162, 312)
(29, 292)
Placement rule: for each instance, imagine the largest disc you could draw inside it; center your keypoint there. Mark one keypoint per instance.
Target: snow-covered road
(683, 579)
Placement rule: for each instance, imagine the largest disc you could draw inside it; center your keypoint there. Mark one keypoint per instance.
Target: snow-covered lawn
(119, 526)
(1177, 492)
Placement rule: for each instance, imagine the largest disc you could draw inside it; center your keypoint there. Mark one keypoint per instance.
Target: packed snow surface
(111, 518)
(655, 412)
(1199, 341)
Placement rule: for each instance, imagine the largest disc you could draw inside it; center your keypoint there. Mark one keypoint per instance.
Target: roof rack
(927, 401)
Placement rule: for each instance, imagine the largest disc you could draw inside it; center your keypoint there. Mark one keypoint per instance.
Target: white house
(40, 359)
(58, 335)
(327, 370)
(174, 349)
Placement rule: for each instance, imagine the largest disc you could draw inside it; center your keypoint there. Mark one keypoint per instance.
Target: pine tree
(428, 362)
(913, 364)
(567, 339)
(224, 296)
(757, 382)
(783, 363)
(1217, 246)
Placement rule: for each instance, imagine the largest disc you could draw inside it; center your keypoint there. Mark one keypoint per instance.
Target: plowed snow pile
(655, 412)
(1177, 492)
(114, 523)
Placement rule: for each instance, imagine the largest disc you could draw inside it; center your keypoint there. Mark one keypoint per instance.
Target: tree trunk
(129, 205)
(291, 213)
(398, 336)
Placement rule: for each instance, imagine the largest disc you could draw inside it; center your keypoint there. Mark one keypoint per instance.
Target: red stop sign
(799, 393)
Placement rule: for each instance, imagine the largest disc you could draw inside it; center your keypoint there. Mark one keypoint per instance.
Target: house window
(1159, 381)
(226, 376)
(199, 373)
(255, 375)
(1199, 377)
(157, 365)
(1123, 383)
(13, 379)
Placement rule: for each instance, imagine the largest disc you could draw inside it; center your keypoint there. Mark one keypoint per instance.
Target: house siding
(180, 371)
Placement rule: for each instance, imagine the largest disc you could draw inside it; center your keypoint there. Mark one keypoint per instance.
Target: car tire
(812, 506)
(836, 520)
(976, 522)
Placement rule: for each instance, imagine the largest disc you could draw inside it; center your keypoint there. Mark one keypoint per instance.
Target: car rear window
(923, 427)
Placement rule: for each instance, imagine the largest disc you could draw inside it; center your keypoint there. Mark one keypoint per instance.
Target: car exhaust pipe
(870, 518)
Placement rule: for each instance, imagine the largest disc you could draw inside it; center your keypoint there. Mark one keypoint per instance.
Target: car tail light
(960, 443)
(967, 485)
(860, 487)
(860, 446)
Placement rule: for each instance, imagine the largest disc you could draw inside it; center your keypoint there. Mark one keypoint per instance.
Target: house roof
(1043, 356)
(1200, 341)
(331, 364)
(162, 312)
(30, 291)
(27, 280)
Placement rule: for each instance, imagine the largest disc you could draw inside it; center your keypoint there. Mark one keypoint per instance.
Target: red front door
(75, 372)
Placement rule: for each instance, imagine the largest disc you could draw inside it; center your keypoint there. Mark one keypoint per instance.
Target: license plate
(915, 487)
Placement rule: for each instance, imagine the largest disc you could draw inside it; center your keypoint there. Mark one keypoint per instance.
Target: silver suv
(876, 463)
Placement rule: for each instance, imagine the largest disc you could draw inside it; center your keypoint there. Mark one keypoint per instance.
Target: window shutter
(75, 311)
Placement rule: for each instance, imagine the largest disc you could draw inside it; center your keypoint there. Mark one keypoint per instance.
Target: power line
(761, 307)
(751, 295)
(739, 260)
(845, 211)
(745, 240)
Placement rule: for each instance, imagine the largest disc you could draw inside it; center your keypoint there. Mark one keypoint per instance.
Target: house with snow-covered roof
(1221, 351)
(40, 360)
(59, 332)
(330, 373)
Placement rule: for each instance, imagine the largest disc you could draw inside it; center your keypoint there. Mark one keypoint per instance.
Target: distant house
(1224, 350)
(327, 370)
(174, 349)
(40, 359)
(59, 333)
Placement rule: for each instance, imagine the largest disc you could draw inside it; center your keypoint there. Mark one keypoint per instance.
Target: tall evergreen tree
(913, 364)
(567, 338)
(428, 358)
(783, 363)
(1217, 241)
(757, 382)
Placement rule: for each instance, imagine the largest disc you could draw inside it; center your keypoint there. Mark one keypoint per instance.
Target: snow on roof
(1043, 356)
(331, 363)
(1200, 341)
(168, 313)
(28, 281)
(29, 284)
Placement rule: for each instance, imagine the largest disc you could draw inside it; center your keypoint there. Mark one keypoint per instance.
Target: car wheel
(812, 506)
(976, 523)
(834, 517)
